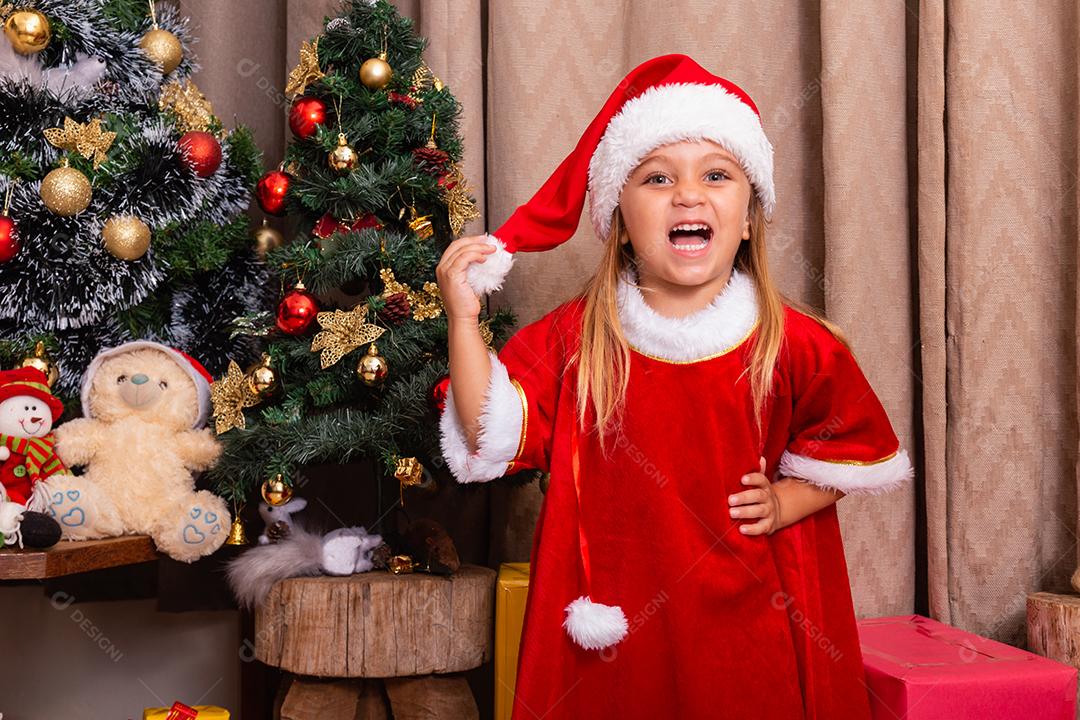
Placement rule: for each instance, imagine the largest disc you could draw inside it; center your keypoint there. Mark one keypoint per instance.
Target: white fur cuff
(487, 277)
(852, 479)
(501, 420)
(594, 626)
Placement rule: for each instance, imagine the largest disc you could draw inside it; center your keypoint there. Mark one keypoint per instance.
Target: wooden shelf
(68, 557)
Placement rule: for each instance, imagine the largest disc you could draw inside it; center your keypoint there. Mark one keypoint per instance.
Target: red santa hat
(188, 364)
(664, 100)
(33, 383)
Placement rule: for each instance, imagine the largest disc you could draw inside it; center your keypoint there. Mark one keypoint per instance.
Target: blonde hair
(603, 356)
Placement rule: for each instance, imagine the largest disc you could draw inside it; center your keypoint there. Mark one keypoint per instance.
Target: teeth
(691, 227)
(695, 246)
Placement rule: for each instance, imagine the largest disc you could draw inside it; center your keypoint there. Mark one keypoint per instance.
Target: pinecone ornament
(278, 531)
(397, 308)
(380, 556)
(432, 160)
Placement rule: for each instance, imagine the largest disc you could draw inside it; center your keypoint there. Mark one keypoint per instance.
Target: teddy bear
(28, 410)
(142, 437)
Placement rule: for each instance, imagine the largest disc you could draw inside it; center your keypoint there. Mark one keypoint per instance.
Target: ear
(296, 505)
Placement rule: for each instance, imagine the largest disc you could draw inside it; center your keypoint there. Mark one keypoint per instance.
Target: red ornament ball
(296, 311)
(306, 115)
(202, 152)
(439, 392)
(9, 239)
(271, 191)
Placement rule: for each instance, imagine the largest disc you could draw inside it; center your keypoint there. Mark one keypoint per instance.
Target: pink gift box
(920, 669)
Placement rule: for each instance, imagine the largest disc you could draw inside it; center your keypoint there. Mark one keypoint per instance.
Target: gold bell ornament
(41, 360)
(372, 367)
(276, 491)
(28, 30)
(237, 532)
(161, 46)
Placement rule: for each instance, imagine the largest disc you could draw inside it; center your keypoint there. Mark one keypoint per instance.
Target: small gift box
(920, 669)
(510, 594)
(180, 711)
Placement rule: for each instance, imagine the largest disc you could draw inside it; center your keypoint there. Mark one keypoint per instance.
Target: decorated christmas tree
(355, 367)
(124, 196)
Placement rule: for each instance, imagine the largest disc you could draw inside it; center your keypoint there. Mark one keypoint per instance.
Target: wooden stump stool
(1053, 626)
(398, 634)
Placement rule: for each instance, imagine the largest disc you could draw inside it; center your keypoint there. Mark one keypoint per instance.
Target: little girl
(698, 428)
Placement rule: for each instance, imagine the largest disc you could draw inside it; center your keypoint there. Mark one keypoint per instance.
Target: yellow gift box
(510, 594)
(205, 712)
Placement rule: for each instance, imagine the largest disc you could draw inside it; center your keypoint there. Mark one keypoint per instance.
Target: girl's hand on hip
(459, 300)
(759, 504)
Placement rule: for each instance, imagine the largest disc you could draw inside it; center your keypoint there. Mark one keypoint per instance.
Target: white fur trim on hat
(487, 276)
(672, 113)
(594, 626)
(501, 421)
(718, 327)
(202, 386)
(851, 479)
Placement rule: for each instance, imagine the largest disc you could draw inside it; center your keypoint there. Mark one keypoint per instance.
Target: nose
(36, 420)
(140, 379)
(687, 192)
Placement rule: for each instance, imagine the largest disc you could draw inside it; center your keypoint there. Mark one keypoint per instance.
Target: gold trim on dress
(860, 462)
(524, 423)
(725, 351)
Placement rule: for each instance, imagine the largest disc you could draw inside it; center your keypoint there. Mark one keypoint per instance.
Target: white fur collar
(715, 329)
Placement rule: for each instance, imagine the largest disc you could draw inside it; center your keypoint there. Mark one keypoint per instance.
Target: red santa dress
(711, 623)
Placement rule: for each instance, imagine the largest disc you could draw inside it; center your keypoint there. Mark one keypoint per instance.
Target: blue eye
(719, 175)
(649, 180)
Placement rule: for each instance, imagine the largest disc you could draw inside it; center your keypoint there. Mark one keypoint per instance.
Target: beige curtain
(926, 165)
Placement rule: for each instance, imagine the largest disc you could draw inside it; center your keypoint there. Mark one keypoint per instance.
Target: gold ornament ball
(267, 239)
(163, 48)
(28, 31)
(262, 379)
(343, 158)
(42, 361)
(126, 237)
(372, 367)
(376, 73)
(276, 491)
(65, 191)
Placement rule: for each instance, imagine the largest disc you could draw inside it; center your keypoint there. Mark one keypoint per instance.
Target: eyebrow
(710, 157)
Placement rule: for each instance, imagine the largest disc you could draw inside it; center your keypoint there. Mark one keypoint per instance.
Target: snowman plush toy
(28, 410)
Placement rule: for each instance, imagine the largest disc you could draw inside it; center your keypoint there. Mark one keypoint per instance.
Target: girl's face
(686, 210)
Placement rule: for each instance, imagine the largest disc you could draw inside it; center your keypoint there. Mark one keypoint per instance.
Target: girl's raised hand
(459, 300)
(759, 504)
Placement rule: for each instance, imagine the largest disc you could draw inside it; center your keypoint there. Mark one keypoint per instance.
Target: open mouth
(690, 236)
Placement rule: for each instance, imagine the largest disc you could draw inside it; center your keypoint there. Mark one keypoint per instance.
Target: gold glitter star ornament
(342, 332)
(307, 71)
(230, 395)
(88, 140)
(193, 111)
